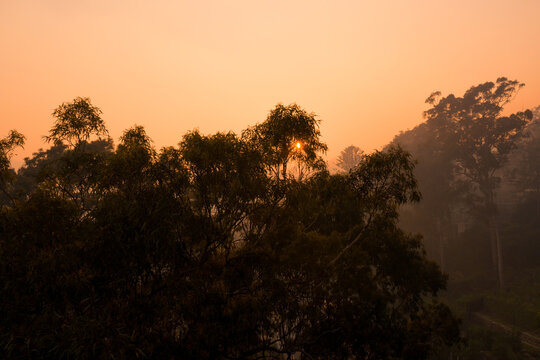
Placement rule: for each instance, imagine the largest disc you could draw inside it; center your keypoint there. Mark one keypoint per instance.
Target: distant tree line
(226, 246)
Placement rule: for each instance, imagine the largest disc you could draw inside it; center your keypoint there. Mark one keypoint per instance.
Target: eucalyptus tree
(7, 145)
(289, 133)
(74, 174)
(349, 158)
(481, 139)
(76, 122)
(354, 258)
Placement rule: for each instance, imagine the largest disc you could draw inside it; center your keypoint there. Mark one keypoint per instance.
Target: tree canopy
(289, 133)
(75, 122)
(349, 157)
(199, 251)
(7, 145)
(463, 147)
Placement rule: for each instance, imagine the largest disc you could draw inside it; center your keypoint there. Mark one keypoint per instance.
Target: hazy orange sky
(365, 67)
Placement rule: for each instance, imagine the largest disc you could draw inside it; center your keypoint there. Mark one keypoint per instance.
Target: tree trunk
(538, 201)
(496, 250)
(441, 244)
(493, 244)
(499, 257)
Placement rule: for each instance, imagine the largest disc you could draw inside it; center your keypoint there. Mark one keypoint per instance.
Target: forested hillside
(478, 169)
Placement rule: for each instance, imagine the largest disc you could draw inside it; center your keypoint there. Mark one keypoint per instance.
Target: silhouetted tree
(13, 140)
(289, 133)
(75, 173)
(76, 122)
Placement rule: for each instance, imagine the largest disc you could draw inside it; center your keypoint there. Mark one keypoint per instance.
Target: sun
(298, 145)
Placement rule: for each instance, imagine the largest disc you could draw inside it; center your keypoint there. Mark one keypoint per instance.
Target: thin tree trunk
(538, 201)
(496, 248)
(441, 244)
(493, 245)
(499, 257)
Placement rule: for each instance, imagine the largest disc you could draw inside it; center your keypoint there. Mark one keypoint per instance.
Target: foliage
(478, 170)
(289, 133)
(10, 142)
(7, 145)
(197, 251)
(480, 137)
(349, 158)
(524, 169)
(469, 142)
(76, 122)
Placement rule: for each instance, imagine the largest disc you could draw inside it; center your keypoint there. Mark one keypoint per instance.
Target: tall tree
(481, 139)
(289, 133)
(76, 122)
(349, 157)
(74, 174)
(13, 140)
